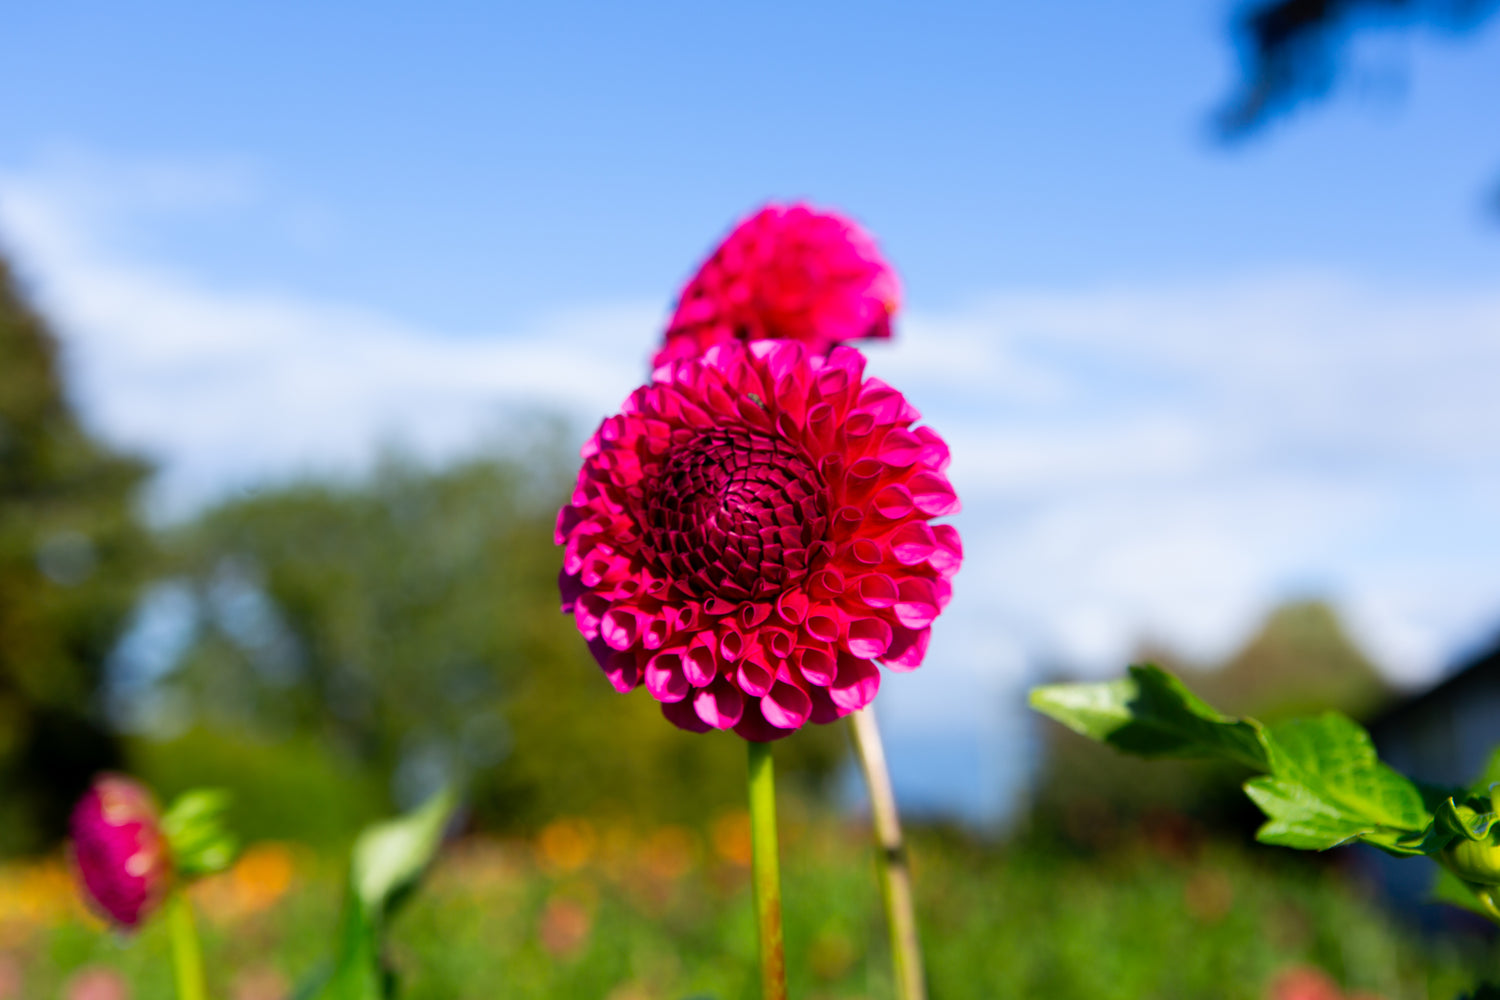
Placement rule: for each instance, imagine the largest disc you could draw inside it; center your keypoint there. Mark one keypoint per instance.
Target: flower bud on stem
(767, 872)
(890, 858)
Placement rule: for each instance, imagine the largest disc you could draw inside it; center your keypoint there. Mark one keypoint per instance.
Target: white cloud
(1170, 460)
(226, 387)
(1163, 460)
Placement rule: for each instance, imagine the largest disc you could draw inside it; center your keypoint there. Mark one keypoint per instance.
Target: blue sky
(1182, 381)
(463, 162)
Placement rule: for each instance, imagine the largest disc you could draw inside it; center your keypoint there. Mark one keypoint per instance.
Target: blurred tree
(1293, 50)
(410, 623)
(1300, 661)
(71, 556)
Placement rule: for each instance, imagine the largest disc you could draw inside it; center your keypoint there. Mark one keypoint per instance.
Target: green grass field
(584, 912)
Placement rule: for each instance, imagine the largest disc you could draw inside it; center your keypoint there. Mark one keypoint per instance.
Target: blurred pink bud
(786, 273)
(120, 854)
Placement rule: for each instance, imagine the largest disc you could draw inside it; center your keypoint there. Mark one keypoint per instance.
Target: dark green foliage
(292, 786)
(71, 554)
(406, 627)
(200, 840)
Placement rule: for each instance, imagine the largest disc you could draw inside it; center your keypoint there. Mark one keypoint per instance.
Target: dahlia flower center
(734, 513)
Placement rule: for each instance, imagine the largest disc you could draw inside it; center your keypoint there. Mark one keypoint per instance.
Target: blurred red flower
(1305, 982)
(788, 273)
(120, 855)
(750, 535)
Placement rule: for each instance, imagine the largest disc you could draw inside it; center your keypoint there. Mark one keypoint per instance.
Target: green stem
(890, 858)
(187, 953)
(767, 871)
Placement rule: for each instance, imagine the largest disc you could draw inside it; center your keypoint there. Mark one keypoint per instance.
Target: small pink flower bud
(120, 854)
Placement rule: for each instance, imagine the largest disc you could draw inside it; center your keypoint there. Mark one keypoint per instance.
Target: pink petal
(868, 638)
(665, 678)
(786, 706)
(949, 552)
(933, 494)
(754, 727)
(792, 606)
(822, 625)
(699, 665)
(908, 648)
(818, 666)
(682, 715)
(857, 683)
(623, 671)
(619, 626)
(720, 705)
(918, 605)
(877, 590)
(912, 543)
(753, 677)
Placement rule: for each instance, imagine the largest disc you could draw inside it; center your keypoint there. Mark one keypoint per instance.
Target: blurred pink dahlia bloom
(787, 273)
(750, 535)
(120, 855)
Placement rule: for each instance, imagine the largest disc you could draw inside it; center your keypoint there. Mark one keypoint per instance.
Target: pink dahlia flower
(786, 273)
(120, 854)
(750, 535)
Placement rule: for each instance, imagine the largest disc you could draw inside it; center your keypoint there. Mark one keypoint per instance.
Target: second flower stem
(890, 858)
(187, 953)
(767, 871)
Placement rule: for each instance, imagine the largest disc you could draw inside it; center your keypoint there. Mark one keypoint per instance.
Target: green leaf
(1152, 714)
(389, 856)
(1325, 785)
(1299, 817)
(1327, 788)
(386, 863)
(1471, 820)
(195, 828)
(1330, 760)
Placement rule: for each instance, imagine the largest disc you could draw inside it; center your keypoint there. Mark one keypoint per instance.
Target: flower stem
(187, 953)
(890, 859)
(767, 871)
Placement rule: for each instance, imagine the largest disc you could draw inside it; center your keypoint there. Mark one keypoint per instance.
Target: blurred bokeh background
(304, 311)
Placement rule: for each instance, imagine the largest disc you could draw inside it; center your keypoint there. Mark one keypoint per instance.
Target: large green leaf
(388, 857)
(1152, 714)
(386, 863)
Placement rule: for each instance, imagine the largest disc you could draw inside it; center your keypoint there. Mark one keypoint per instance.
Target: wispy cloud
(1158, 460)
(225, 387)
(1167, 460)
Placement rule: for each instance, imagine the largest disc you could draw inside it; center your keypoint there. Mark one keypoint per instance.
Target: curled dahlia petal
(789, 273)
(751, 536)
(120, 855)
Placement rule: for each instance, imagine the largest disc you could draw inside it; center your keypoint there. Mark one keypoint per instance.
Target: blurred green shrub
(406, 626)
(291, 786)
